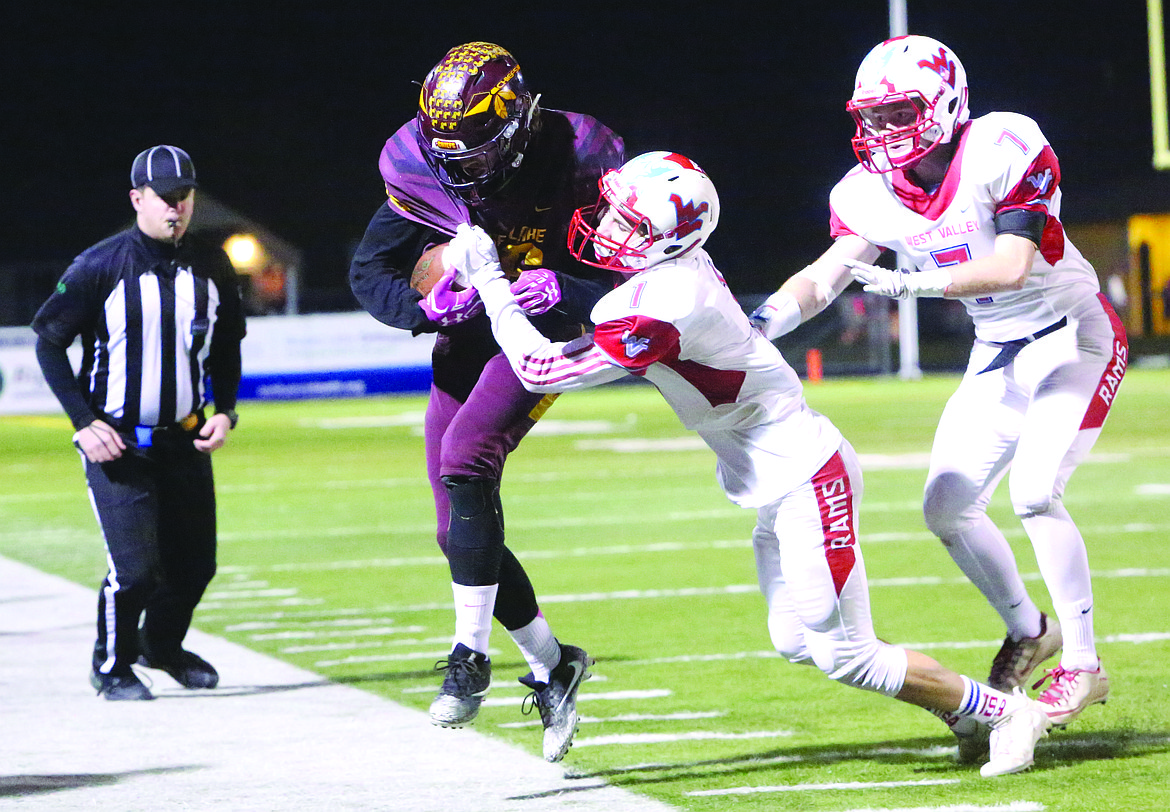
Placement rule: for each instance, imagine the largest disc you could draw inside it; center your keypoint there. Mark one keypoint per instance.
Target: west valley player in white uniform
(974, 206)
(675, 323)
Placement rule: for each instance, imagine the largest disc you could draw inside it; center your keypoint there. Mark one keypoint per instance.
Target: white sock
(1064, 563)
(473, 615)
(959, 725)
(982, 702)
(985, 557)
(540, 649)
(1080, 649)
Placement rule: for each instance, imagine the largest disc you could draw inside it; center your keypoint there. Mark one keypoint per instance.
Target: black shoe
(119, 687)
(188, 669)
(557, 700)
(469, 675)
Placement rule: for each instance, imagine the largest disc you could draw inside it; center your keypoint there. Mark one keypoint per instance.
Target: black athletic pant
(156, 508)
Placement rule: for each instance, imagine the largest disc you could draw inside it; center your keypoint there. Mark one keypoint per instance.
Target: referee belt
(144, 435)
(1008, 350)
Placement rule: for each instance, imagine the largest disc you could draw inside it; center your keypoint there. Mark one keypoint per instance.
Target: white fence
(285, 358)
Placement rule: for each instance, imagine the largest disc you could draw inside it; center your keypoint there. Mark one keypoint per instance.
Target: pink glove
(536, 291)
(446, 307)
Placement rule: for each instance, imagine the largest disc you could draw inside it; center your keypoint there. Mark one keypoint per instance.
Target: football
(428, 269)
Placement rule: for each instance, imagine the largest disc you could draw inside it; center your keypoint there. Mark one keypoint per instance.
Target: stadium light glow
(244, 251)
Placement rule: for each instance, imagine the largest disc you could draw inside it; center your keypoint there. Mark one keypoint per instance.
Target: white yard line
(315, 634)
(607, 696)
(1011, 806)
(691, 592)
(928, 782)
(598, 551)
(681, 716)
(734, 765)
(687, 735)
(434, 655)
(1136, 639)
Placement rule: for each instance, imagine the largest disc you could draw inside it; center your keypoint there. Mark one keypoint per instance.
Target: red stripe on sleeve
(636, 342)
(1033, 193)
(837, 227)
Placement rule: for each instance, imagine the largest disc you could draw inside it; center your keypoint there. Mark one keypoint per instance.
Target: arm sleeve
(72, 307)
(226, 372)
(379, 274)
(540, 364)
(55, 366)
(224, 364)
(66, 314)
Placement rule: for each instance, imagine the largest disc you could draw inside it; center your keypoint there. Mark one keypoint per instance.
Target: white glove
(777, 316)
(900, 284)
(473, 254)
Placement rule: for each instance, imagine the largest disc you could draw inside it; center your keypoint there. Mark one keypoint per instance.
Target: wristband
(930, 283)
(779, 315)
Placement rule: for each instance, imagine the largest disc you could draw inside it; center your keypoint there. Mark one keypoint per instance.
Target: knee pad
(788, 639)
(1028, 500)
(1036, 507)
(949, 504)
(474, 504)
(475, 537)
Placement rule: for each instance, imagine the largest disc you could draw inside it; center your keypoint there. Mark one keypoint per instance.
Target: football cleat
(557, 700)
(469, 675)
(1070, 692)
(1014, 736)
(1017, 659)
(972, 738)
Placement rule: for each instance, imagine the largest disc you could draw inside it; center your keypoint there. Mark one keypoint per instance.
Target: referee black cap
(163, 168)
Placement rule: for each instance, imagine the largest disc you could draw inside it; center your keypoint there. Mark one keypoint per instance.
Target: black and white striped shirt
(156, 323)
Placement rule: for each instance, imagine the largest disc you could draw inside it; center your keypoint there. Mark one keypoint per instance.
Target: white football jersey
(1003, 162)
(678, 325)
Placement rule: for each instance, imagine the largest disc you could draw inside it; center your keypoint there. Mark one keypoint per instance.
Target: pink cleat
(1070, 692)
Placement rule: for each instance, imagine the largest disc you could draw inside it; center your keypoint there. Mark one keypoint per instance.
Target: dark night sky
(284, 106)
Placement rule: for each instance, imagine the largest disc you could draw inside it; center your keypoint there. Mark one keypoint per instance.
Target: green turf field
(328, 561)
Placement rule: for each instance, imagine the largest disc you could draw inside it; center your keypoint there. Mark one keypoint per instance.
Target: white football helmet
(657, 206)
(910, 96)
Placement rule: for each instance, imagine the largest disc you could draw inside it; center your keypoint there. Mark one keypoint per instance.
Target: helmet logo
(444, 105)
(496, 97)
(688, 216)
(941, 65)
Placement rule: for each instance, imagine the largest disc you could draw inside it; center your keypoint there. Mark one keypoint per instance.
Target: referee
(160, 322)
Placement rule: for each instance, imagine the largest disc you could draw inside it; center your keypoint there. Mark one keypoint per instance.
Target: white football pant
(812, 575)
(1040, 415)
